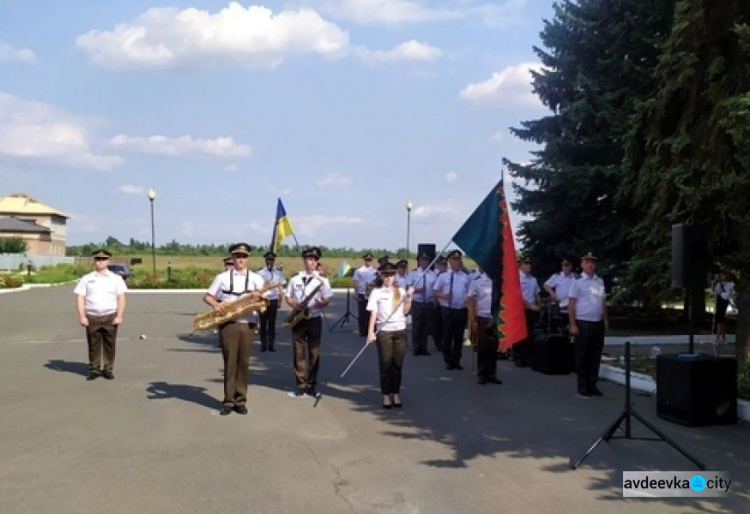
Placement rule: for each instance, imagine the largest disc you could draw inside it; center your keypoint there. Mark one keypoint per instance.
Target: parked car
(121, 269)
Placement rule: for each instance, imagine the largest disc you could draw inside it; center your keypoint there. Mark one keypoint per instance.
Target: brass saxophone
(232, 310)
(295, 317)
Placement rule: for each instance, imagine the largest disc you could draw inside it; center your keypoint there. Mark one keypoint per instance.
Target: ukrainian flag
(282, 228)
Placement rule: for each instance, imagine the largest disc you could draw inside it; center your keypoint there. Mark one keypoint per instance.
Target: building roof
(13, 224)
(20, 204)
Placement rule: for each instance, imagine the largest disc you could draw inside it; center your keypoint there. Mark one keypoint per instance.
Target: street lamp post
(151, 196)
(409, 207)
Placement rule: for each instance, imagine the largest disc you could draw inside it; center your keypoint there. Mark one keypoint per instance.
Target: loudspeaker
(551, 354)
(696, 390)
(427, 248)
(690, 260)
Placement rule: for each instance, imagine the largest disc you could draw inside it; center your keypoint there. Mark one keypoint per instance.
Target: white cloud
(179, 146)
(451, 177)
(193, 38)
(310, 225)
(408, 50)
(131, 190)
(387, 11)
(440, 212)
(510, 87)
(500, 15)
(497, 137)
(232, 168)
(334, 180)
(9, 53)
(34, 131)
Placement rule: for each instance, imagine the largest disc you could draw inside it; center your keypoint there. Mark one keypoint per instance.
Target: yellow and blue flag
(282, 228)
(344, 268)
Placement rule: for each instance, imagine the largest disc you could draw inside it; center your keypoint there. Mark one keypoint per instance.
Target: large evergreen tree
(687, 153)
(599, 62)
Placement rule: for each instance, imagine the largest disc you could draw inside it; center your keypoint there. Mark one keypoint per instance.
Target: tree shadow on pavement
(77, 368)
(188, 393)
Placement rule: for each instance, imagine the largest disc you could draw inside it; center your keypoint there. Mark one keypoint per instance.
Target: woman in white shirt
(388, 306)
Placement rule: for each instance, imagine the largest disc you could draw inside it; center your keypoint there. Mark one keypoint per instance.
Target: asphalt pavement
(151, 441)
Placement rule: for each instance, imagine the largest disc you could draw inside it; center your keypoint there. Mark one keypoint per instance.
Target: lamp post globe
(409, 207)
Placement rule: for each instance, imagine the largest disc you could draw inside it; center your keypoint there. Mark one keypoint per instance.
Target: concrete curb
(646, 384)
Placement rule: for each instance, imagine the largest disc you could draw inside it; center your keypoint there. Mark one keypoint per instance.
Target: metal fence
(18, 261)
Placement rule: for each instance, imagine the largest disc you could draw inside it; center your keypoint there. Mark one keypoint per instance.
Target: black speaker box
(551, 354)
(690, 260)
(427, 248)
(696, 390)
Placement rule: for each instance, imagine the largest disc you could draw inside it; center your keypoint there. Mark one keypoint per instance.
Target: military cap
(387, 268)
(368, 256)
(228, 260)
(313, 252)
(455, 254)
(402, 263)
(589, 257)
(424, 256)
(524, 259)
(441, 260)
(566, 262)
(269, 255)
(383, 259)
(240, 249)
(101, 252)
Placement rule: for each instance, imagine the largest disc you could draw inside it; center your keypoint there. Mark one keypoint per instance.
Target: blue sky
(346, 109)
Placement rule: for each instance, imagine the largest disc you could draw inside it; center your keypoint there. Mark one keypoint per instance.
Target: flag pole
(367, 343)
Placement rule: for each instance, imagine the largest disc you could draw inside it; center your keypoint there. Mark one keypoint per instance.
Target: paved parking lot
(151, 440)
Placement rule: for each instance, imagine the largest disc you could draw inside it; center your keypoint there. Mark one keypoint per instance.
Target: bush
(58, 274)
(743, 382)
(11, 281)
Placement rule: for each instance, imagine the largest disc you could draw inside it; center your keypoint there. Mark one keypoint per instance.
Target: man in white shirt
(363, 276)
(422, 280)
(558, 287)
(270, 274)
(100, 305)
(236, 336)
(587, 313)
(483, 326)
(450, 289)
(531, 306)
(308, 290)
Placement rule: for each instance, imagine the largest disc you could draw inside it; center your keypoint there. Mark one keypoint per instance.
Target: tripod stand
(345, 318)
(625, 416)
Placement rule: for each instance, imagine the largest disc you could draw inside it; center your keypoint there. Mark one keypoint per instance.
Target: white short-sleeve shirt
(481, 289)
(100, 291)
(232, 284)
(381, 302)
(302, 285)
(272, 275)
(590, 296)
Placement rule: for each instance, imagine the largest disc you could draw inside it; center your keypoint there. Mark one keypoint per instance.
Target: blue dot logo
(697, 483)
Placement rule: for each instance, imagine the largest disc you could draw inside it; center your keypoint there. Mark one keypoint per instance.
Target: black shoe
(458, 366)
(108, 375)
(449, 367)
(426, 353)
(263, 348)
(397, 405)
(240, 409)
(584, 393)
(311, 391)
(226, 411)
(594, 391)
(482, 380)
(93, 375)
(519, 363)
(494, 380)
(271, 349)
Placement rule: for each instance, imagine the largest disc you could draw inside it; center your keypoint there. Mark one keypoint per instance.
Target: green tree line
(134, 247)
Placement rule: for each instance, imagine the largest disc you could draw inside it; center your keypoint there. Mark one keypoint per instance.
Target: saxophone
(295, 317)
(232, 310)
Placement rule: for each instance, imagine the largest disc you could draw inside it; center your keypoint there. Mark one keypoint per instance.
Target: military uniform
(100, 306)
(522, 350)
(268, 318)
(451, 288)
(480, 293)
(236, 336)
(422, 280)
(306, 335)
(363, 276)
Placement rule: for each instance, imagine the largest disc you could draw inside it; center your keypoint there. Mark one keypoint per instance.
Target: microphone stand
(345, 318)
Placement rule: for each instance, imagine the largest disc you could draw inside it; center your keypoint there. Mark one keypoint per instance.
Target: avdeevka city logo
(697, 483)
